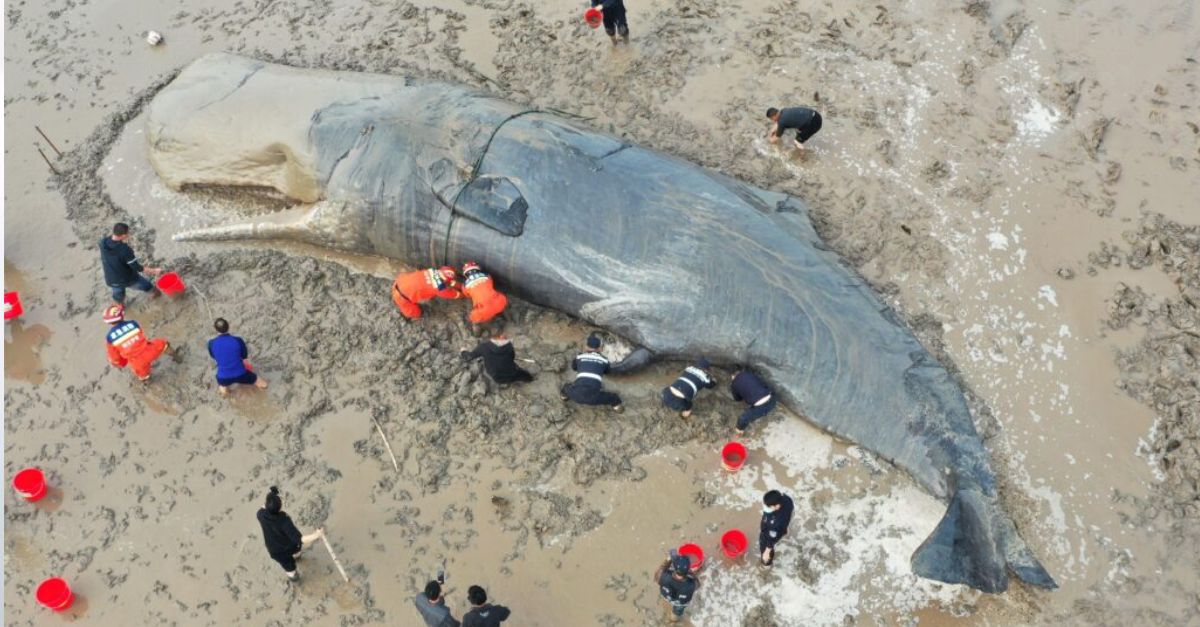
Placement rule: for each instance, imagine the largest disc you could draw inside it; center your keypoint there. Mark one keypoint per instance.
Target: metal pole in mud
(56, 150)
(51, 165)
(335, 559)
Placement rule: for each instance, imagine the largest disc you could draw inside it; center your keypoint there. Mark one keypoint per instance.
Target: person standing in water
(613, 12)
(805, 121)
(284, 541)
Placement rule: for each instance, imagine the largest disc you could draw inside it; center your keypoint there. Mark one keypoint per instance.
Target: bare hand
(153, 271)
(774, 139)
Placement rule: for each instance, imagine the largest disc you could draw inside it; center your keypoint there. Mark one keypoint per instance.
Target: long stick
(335, 559)
(39, 149)
(385, 444)
(56, 150)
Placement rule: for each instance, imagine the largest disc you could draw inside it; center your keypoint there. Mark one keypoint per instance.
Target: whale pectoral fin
(976, 544)
(638, 359)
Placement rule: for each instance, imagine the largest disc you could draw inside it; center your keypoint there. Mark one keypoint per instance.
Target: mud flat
(984, 166)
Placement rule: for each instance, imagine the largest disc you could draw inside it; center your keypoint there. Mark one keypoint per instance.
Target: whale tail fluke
(977, 544)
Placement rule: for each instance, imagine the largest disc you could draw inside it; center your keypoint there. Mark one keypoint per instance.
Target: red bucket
(171, 284)
(734, 543)
(593, 17)
(55, 594)
(30, 484)
(12, 305)
(733, 456)
(695, 555)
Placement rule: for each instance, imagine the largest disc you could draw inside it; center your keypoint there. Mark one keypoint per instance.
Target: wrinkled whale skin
(674, 257)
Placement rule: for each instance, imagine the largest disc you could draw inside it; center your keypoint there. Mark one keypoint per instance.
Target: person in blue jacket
(747, 387)
(230, 353)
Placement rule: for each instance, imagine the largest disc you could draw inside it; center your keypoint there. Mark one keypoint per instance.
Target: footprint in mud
(254, 405)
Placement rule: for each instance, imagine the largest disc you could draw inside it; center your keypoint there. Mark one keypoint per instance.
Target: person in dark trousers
(777, 515)
(588, 386)
(283, 539)
(499, 360)
(682, 393)
(676, 584)
(432, 606)
(121, 266)
(805, 121)
(230, 353)
(614, 19)
(482, 613)
(748, 387)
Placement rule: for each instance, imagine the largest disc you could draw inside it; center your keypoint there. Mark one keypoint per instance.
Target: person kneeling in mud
(283, 539)
(410, 289)
(746, 386)
(680, 394)
(676, 584)
(230, 353)
(127, 345)
(486, 302)
(588, 386)
(499, 360)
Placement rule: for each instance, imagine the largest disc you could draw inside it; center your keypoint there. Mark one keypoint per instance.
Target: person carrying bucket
(613, 13)
(230, 353)
(122, 269)
(486, 302)
(680, 394)
(776, 516)
(747, 387)
(588, 386)
(676, 584)
(410, 289)
(284, 541)
(127, 344)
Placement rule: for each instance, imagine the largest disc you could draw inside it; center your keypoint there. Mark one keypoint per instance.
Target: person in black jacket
(777, 515)
(614, 19)
(499, 360)
(676, 585)
(746, 386)
(680, 394)
(806, 122)
(283, 539)
(482, 613)
(121, 266)
(588, 386)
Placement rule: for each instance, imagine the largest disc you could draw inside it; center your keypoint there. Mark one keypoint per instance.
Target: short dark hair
(433, 590)
(221, 325)
(771, 112)
(476, 595)
(120, 228)
(773, 498)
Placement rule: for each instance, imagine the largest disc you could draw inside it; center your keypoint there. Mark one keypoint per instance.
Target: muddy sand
(1017, 179)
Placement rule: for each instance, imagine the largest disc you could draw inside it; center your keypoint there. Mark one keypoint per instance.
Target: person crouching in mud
(588, 386)
(680, 394)
(805, 121)
(283, 539)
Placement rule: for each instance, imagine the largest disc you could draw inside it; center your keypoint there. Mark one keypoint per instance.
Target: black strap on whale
(479, 163)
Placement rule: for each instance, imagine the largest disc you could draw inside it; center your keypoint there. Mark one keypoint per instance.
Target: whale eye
(494, 201)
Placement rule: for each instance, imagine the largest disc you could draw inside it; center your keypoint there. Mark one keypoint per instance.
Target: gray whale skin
(676, 258)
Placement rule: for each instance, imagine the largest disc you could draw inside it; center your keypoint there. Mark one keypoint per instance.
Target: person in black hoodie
(483, 614)
(121, 266)
(777, 515)
(499, 360)
(283, 539)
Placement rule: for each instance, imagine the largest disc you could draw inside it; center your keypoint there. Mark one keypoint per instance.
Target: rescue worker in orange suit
(127, 345)
(413, 288)
(486, 302)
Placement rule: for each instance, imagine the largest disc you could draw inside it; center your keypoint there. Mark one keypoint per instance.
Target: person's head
(221, 325)
(737, 369)
(703, 363)
(500, 337)
(114, 314)
(773, 114)
(471, 266)
(680, 567)
(772, 500)
(433, 591)
(274, 504)
(476, 595)
(594, 342)
(120, 231)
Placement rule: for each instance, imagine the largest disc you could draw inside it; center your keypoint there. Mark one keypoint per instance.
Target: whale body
(676, 258)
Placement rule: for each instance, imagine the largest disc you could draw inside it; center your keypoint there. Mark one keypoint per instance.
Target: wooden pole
(335, 559)
(386, 444)
(56, 150)
(47, 159)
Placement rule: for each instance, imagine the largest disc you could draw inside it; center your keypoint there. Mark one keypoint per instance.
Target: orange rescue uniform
(486, 302)
(413, 288)
(128, 345)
